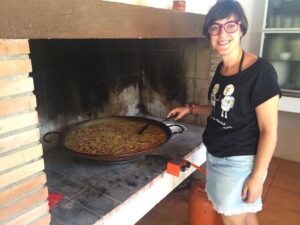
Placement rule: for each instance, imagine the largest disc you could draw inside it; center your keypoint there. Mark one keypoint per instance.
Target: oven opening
(77, 80)
(85, 80)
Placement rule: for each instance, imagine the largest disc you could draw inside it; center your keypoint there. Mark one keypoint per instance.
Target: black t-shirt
(232, 128)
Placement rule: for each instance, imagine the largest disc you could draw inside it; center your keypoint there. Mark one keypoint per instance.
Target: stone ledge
(79, 19)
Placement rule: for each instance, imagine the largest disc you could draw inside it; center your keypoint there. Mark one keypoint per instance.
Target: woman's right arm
(180, 112)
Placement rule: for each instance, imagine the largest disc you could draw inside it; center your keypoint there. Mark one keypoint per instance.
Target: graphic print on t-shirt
(227, 102)
(213, 98)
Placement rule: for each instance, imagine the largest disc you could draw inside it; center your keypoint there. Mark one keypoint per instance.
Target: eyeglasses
(230, 27)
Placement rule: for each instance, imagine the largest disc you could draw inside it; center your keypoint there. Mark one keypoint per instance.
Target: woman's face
(226, 42)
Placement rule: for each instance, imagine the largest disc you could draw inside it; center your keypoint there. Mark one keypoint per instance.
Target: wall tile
(190, 90)
(202, 86)
(190, 43)
(190, 62)
(203, 63)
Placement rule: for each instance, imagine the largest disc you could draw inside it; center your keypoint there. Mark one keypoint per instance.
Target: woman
(241, 130)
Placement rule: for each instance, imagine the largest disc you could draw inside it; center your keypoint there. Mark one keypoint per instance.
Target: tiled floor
(281, 199)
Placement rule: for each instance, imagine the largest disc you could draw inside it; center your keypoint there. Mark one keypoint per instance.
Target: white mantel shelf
(135, 207)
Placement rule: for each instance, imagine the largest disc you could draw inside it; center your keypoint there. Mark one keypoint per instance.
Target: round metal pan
(61, 136)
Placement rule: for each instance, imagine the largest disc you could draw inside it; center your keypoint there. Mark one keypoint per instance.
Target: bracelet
(191, 108)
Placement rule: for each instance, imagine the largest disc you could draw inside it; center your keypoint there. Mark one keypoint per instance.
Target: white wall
(254, 10)
(288, 136)
(193, 6)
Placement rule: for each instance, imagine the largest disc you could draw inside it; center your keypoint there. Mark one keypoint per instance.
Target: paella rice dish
(115, 137)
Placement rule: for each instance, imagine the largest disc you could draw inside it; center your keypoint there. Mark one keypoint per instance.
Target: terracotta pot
(201, 211)
(179, 5)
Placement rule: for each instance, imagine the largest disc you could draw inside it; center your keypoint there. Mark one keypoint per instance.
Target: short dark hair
(223, 9)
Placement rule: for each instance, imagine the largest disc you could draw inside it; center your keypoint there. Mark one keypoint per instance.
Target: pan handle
(56, 134)
(176, 125)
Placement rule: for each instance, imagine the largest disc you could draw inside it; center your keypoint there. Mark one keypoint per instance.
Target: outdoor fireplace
(46, 85)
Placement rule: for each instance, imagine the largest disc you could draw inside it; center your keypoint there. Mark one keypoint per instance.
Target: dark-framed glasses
(230, 27)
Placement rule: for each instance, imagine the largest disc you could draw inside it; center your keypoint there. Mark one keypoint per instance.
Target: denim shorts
(224, 184)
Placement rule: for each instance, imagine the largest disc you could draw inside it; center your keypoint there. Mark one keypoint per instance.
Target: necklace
(241, 61)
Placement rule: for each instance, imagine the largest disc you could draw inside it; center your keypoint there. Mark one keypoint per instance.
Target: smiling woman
(240, 134)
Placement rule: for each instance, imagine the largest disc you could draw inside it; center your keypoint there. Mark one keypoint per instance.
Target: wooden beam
(80, 19)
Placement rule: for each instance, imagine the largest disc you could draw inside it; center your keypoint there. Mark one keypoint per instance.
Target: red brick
(16, 105)
(18, 122)
(12, 87)
(20, 157)
(14, 46)
(21, 173)
(25, 203)
(43, 221)
(32, 215)
(23, 188)
(11, 67)
(17, 140)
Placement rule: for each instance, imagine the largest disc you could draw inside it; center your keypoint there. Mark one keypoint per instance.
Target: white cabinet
(280, 45)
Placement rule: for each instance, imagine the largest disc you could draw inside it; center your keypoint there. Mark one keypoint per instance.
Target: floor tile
(290, 168)
(150, 218)
(70, 213)
(163, 204)
(275, 163)
(62, 184)
(168, 220)
(173, 209)
(178, 206)
(287, 182)
(96, 202)
(274, 215)
(268, 182)
(283, 198)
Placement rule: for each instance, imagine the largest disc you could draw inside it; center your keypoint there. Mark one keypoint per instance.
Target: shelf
(290, 93)
(277, 40)
(281, 30)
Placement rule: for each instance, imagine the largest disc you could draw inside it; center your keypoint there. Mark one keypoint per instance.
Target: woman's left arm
(267, 118)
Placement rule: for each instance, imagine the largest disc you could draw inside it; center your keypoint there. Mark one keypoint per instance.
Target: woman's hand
(178, 112)
(252, 189)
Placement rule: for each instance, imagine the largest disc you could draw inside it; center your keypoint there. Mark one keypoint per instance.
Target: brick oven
(70, 61)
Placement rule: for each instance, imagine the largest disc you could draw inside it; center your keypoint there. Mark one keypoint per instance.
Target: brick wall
(23, 194)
